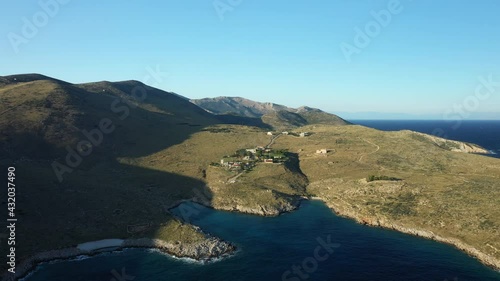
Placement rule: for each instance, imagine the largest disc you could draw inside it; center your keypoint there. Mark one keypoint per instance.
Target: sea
(311, 243)
(485, 133)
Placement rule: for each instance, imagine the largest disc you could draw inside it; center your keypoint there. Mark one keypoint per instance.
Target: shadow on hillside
(111, 200)
(242, 120)
(293, 165)
(28, 145)
(100, 198)
(113, 123)
(140, 132)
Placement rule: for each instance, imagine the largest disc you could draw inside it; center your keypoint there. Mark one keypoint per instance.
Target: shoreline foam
(207, 250)
(469, 250)
(161, 246)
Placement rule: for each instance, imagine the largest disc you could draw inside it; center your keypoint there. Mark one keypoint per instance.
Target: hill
(277, 116)
(108, 159)
(67, 141)
(407, 181)
(41, 116)
(239, 106)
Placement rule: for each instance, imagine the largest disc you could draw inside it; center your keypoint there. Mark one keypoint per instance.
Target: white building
(322, 151)
(269, 133)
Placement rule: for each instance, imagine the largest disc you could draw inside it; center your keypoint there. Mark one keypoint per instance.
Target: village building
(322, 151)
(269, 160)
(269, 133)
(285, 133)
(229, 161)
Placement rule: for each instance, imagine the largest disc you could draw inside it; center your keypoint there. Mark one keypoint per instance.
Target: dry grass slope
(161, 154)
(451, 194)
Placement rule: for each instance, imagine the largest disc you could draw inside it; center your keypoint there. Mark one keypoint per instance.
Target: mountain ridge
(164, 149)
(276, 115)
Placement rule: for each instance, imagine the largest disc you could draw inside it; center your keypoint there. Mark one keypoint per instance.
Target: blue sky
(426, 60)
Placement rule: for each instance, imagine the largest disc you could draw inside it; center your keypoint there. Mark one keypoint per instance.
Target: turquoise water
(269, 247)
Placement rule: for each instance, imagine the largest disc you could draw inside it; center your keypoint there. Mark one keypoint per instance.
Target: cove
(311, 243)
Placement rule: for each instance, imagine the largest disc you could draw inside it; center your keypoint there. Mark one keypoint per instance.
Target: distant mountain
(108, 159)
(41, 116)
(239, 106)
(275, 115)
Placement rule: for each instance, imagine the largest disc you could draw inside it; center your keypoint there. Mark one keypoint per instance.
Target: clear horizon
(390, 58)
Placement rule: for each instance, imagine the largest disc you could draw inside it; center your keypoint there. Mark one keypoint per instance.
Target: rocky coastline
(455, 146)
(376, 222)
(274, 210)
(206, 250)
(213, 247)
(265, 211)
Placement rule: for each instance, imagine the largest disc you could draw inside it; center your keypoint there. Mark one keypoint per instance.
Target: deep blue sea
(309, 244)
(484, 133)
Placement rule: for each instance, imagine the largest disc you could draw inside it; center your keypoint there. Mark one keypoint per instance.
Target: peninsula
(94, 162)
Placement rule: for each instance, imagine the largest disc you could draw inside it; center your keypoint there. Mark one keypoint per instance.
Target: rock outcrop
(204, 250)
(262, 210)
(456, 146)
(207, 249)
